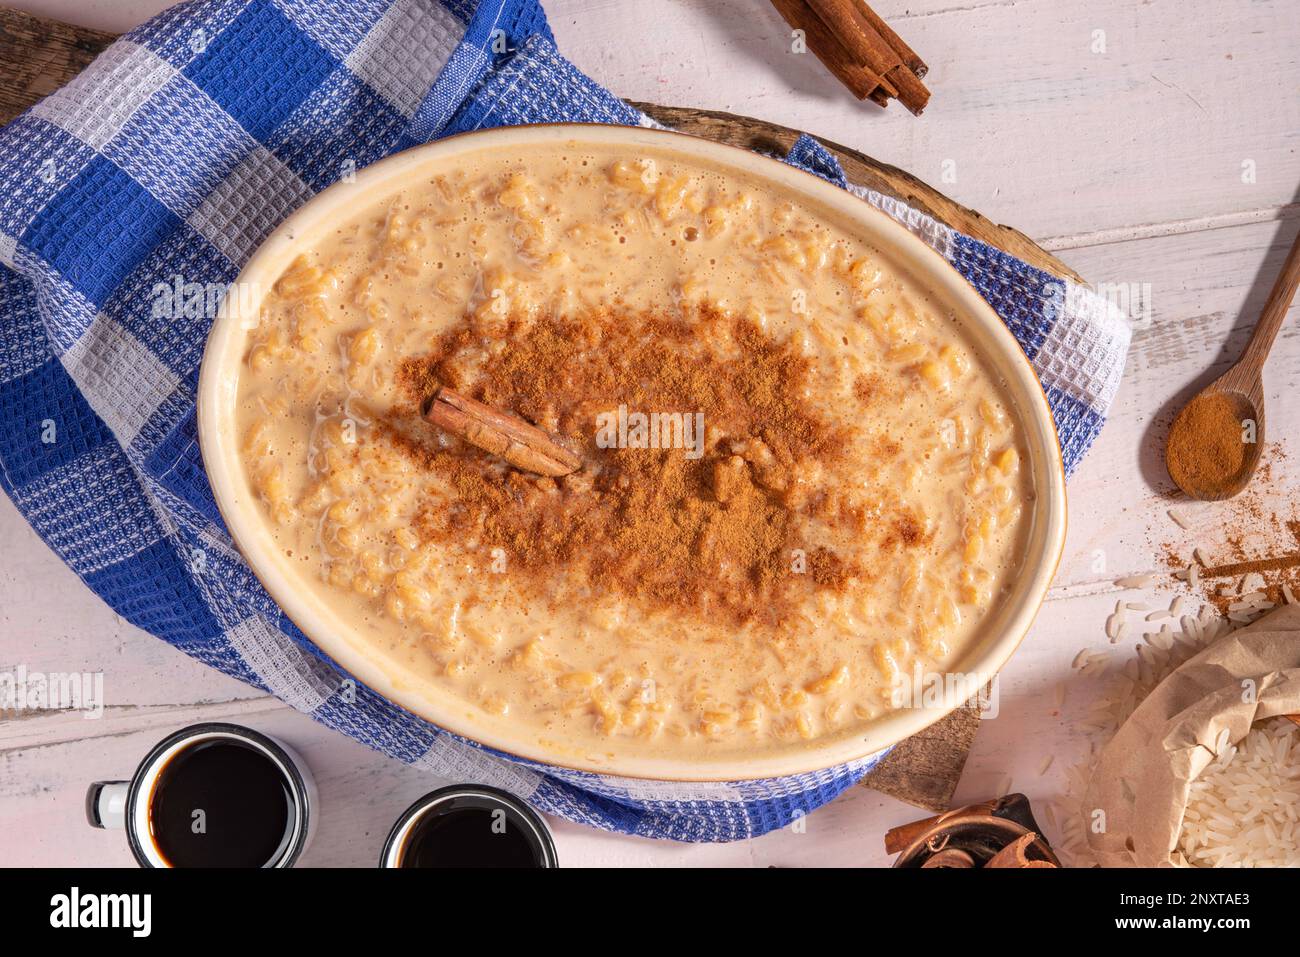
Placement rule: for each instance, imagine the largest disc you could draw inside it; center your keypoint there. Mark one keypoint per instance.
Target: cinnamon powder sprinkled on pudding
(725, 533)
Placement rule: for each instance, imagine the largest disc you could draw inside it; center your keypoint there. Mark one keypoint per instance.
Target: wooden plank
(42, 790)
(924, 770)
(1205, 291)
(51, 622)
(37, 56)
(1148, 133)
(1063, 118)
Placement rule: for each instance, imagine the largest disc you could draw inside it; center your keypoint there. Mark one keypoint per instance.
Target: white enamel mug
(127, 804)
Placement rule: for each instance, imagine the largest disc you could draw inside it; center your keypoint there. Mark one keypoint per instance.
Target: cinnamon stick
(522, 445)
(1016, 854)
(864, 44)
(949, 857)
(905, 53)
(860, 49)
(859, 80)
(872, 42)
(899, 839)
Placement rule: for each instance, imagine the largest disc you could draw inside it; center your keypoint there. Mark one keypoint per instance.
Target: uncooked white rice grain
(1135, 581)
(1221, 740)
(1242, 812)
(1095, 664)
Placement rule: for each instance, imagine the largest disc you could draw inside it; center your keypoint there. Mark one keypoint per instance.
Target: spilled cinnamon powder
(1259, 536)
(733, 533)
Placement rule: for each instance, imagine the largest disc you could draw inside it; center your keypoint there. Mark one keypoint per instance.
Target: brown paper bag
(1135, 802)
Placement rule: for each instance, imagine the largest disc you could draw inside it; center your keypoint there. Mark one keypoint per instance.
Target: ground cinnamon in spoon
(1207, 451)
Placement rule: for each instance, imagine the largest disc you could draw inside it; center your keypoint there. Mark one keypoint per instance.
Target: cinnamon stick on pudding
(522, 445)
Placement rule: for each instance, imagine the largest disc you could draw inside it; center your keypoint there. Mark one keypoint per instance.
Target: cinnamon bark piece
(949, 857)
(1016, 854)
(860, 49)
(523, 445)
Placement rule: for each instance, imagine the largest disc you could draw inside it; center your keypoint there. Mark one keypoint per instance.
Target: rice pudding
(799, 480)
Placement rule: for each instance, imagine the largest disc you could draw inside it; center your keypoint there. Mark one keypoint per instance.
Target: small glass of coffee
(469, 825)
(212, 795)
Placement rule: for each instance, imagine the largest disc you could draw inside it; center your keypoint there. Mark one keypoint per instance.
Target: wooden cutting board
(37, 56)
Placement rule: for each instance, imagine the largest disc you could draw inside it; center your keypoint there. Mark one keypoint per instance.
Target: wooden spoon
(1215, 441)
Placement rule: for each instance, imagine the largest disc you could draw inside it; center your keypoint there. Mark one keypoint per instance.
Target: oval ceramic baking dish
(344, 640)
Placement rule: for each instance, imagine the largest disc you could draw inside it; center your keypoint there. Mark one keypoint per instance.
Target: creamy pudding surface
(801, 484)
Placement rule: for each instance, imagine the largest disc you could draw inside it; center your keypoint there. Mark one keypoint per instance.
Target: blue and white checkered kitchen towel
(169, 160)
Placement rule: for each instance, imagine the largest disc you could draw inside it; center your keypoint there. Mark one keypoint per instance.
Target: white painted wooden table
(1154, 142)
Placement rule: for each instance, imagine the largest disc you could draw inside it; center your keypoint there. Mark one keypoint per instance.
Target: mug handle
(106, 803)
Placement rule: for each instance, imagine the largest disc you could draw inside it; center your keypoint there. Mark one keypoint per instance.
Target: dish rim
(217, 392)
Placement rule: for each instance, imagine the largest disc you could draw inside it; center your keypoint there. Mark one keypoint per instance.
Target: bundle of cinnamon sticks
(860, 49)
(1000, 833)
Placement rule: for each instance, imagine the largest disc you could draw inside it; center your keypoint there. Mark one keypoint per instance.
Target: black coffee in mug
(212, 795)
(221, 803)
(469, 826)
(468, 837)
